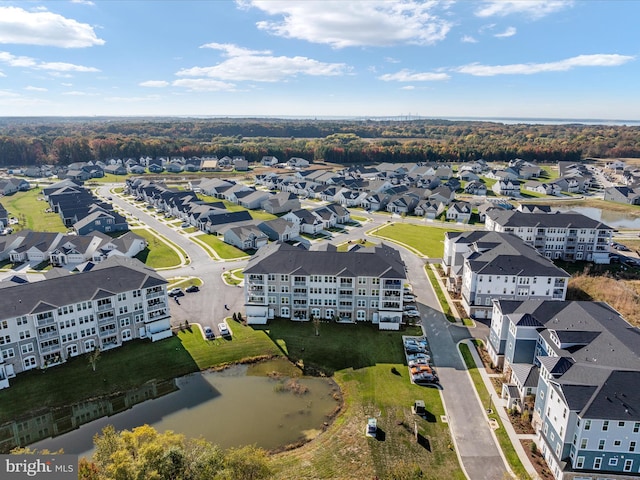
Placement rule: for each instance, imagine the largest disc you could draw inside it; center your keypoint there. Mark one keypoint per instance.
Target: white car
(409, 298)
(176, 292)
(412, 313)
(224, 330)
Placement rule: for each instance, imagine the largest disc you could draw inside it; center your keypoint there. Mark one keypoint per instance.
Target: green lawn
(30, 212)
(233, 277)
(485, 397)
(357, 218)
(262, 215)
(427, 240)
(222, 249)
(343, 247)
(158, 254)
(110, 178)
(446, 309)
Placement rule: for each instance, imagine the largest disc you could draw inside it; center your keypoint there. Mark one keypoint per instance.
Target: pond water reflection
(227, 408)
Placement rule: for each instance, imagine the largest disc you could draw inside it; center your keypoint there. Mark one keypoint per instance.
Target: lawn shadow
(424, 442)
(381, 435)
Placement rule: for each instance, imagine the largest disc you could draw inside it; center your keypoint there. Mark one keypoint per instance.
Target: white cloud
(83, 2)
(19, 26)
(35, 89)
(154, 83)
(531, 8)
(231, 50)
(355, 23)
(408, 87)
(598, 60)
(77, 93)
(264, 68)
(468, 39)
(509, 32)
(2, 74)
(408, 76)
(28, 62)
(132, 99)
(67, 84)
(391, 60)
(203, 85)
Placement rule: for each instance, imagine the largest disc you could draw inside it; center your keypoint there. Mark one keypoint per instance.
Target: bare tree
(94, 357)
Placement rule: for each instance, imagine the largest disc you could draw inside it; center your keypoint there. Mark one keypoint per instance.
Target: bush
(533, 448)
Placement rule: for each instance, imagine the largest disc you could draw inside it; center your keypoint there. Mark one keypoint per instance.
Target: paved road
(473, 438)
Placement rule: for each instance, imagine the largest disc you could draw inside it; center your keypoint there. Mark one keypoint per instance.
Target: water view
(608, 217)
(227, 408)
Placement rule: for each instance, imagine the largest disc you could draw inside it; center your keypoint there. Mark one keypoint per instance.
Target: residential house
(210, 165)
(296, 162)
(45, 323)
(342, 214)
(118, 169)
(508, 188)
(459, 212)
(567, 236)
(250, 198)
(468, 176)
(429, 210)
(245, 237)
(291, 282)
(240, 164)
(442, 194)
(280, 229)
(216, 219)
(281, 202)
(10, 186)
(102, 221)
(269, 161)
(476, 188)
(627, 195)
(542, 187)
(307, 221)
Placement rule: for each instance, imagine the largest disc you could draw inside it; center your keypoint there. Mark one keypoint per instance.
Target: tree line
(64, 141)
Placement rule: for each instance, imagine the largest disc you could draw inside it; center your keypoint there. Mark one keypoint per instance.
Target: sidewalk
(500, 409)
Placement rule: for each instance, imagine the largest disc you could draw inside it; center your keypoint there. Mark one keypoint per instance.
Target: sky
(566, 59)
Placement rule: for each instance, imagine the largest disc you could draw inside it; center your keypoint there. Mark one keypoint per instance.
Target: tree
(94, 357)
(247, 463)
(316, 323)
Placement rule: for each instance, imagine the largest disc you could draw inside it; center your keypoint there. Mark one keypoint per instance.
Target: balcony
(155, 304)
(300, 295)
(48, 335)
(105, 307)
(155, 294)
(300, 283)
(393, 284)
(42, 322)
(391, 305)
(257, 300)
(559, 283)
(256, 279)
(157, 314)
(49, 348)
(256, 288)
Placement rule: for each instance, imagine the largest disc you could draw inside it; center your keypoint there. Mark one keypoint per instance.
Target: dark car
(208, 332)
(192, 289)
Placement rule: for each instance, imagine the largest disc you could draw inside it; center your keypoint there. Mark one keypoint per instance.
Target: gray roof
(381, 261)
(509, 255)
(114, 275)
(514, 218)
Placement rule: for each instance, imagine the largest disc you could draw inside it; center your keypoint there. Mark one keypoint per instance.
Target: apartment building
(44, 323)
(484, 266)
(567, 236)
(586, 358)
(363, 284)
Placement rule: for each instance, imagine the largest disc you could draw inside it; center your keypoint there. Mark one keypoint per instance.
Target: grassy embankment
(158, 254)
(29, 208)
(221, 249)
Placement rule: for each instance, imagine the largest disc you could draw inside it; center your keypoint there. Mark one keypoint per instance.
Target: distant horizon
(358, 118)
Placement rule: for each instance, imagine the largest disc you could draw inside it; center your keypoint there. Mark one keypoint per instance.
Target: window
(605, 425)
(284, 278)
(90, 345)
(632, 446)
(583, 443)
(271, 277)
(28, 348)
(587, 424)
(628, 465)
(636, 427)
(125, 322)
(601, 444)
(617, 443)
(613, 462)
(29, 363)
(621, 424)
(284, 312)
(597, 462)
(8, 353)
(360, 315)
(580, 462)
(126, 335)
(25, 334)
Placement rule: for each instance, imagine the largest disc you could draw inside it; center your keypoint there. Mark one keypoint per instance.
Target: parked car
(408, 308)
(409, 298)
(412, 313)
(185, 225)
(192, 289)
(176, 292)
(224, 330)
(208, 333)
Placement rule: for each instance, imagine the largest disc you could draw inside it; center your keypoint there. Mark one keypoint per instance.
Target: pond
(227, 408)
(608, 217)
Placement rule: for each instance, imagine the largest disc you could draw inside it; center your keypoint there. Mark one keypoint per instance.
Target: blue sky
(506, 58)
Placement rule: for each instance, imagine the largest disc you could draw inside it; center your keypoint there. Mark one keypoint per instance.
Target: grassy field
(158, 254)
(233, 277)
(427, 240)
(110, 178)
(362, 361)
(343, 247)
(222, 249)
(30, 212)
(485, 397)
